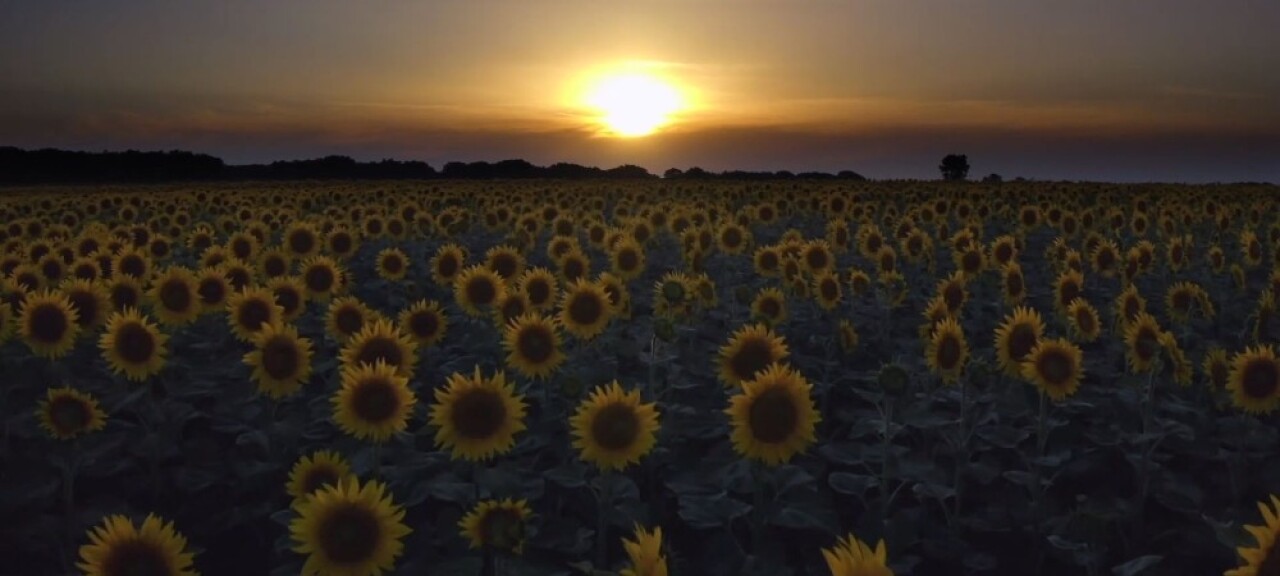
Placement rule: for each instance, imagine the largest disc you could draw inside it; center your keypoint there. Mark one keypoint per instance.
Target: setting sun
(633, 104)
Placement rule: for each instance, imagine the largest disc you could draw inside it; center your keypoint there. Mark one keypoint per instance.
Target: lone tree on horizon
(954, 167)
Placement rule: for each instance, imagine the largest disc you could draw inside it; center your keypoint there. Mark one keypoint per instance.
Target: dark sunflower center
(319, 279)
(769, 261)
(953, 295)
(133, 265)
(318, 477)
(424, 324)
(280, 357)
(380, 348)
(829, 289)
(375, 401)
(816, 259)
(238, 277)
(1085, 321)
(615, 427)
(628, 260)
(1105, 260)
(753, 355)
(971, 260)
(731, 237)
(175, 295)
(1181, 301)
(349, 534)
(212, 291)
(340, 243)
(573, 269)
(1013, 284)
(512, 308)
(1146, 345)
(1021, 340)
(770, 307)
(69, 415)
(124, 296)
(447, 266)
(481, 291)
(1054, 367)
(948, 353)
(478, 414)
(288, 299)
(48, 323)
(586, 308)
(1259, 379)
(134, 343)
(1219, 374)
(275, 267)
(773, 416)
(392, 264)
(136, 558)
(1003, 252)
(538, 292)
(349, 320)
(253, 314)
(504, 265)
(86, 307)
(1070, 291)
(535, 344)
(301, 242)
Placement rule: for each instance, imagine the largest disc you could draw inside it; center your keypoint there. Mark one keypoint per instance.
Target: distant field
(1023, 378)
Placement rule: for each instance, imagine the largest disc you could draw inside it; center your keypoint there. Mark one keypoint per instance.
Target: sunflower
(532, 342)
(816, 257)
(322, 277)
(619, 295)
(48, 324)
(859, 282)
(392, 264)
(773, 416)
(826, 289)
(612, 428)
(275, 263)
(1128, 305)
(1254, 381)
(1250, 248)
(853, 557)
(732, 238)
(341, 243)
(540, 286)
(948, 351)
(769, 307)
(627, 258)
(374, 402)
(346, 317)
(381, 341)
(894, 287)
(1217, 258)
(89, 301)
(496, 525)
(349, 529)
(971, 260)
(290, 294)
(1055, 366)
(174, 298)
(1217, 368)
(1016, 337)
(645, 553)
(213, 288)
(251, 309)
(477, 288)
(574, 265)
(585, 309)
(281, 361)
(6, 317)
(1085, 323)
(133, 346)
(1013, 285)
(1003, 251)
(1265, 557)
(424, 322)
(848, 336)
(1142, 342)
(953, 291)
(751, 349)
(1180, 298)
(477, 417)
(132, 262)
(1068, 287)
(767, 261)
(68, 413)
(117, 548)
(301, 240)
(312, 473)
(1176, 361)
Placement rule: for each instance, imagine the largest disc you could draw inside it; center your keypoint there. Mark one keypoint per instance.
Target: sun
(633, 104)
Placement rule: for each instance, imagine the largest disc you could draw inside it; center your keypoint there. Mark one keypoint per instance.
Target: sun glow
(633, 104)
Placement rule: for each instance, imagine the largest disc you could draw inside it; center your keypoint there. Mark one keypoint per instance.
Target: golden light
(633, 104)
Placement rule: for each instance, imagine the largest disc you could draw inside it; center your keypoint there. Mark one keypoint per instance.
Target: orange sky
(1173, 89)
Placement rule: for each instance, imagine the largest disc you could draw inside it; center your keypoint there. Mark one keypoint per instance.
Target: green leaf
(852, 484)
(711, 511)
(1002, 436)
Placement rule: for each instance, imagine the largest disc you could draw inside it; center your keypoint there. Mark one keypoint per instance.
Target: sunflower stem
(1144, 478)
(758, 474)
(962, 447)
(70, 468)
(886, 418)
(603, 498)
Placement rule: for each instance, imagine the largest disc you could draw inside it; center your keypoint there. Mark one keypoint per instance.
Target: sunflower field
(639, 378)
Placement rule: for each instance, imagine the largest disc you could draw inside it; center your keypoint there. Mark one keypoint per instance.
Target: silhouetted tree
(954, 167)
(696, 172)
(993, 178)
(849, 175)
(673, 173)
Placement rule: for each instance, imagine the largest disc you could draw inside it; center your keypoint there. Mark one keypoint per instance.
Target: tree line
(18, 166)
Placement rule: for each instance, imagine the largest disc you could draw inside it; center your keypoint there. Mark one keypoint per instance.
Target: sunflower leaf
(1137, 565)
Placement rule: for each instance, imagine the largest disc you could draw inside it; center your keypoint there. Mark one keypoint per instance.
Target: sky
(1134, 90)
